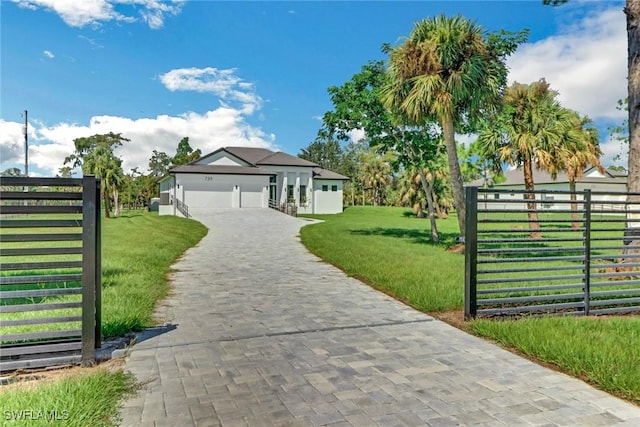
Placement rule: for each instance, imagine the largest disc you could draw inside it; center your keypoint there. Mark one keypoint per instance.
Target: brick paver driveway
(261, 332)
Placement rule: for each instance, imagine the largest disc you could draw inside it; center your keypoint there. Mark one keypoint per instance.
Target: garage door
(251, 196)
(213, 198)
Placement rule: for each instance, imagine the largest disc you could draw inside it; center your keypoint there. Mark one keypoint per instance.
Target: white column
(284, 195)
(296, 190)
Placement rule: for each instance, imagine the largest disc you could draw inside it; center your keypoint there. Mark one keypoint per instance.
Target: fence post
(89, 224)
(98, 269)
(471, 253)
(587, 251)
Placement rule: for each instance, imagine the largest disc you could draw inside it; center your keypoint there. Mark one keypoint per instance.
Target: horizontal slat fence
(50, 297)
(583, 258)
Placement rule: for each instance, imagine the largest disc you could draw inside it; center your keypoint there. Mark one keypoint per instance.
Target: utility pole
(26, 144)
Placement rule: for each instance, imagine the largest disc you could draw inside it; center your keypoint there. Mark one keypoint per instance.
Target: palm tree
(102, 163)
(532, 129)
(447, 71)
(375, 175)
(581, 149)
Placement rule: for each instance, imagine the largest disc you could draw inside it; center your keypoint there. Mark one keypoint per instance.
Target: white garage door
(251, 196)
(213, 198)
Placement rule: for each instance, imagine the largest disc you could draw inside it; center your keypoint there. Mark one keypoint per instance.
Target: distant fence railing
(583, 259)
(50, 279)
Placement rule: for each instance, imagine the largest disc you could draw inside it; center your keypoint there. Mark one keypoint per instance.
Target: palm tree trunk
(534, 225)
(116, 210)
(574, 204)
(432, 219)
(632, 10)
(454, 169)
(107, 202)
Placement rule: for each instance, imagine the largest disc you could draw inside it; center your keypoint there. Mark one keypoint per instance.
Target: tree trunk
(432, 219)
(574, 205)
(436, 205)
(454, 169)
(632, 10)
(107, 202)
(534, 225)
(116, 203)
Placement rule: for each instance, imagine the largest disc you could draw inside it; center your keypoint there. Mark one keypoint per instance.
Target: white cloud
(48, 54)
(78, 13)
(222, 83)
(614, 153)
(49, 145)
(357, 135)
(586, 63)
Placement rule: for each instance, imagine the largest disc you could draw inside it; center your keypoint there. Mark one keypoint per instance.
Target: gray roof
(284, 159)
(262, 156)
(221, 170)
(516, 177)
(248, 154)
(327, 174)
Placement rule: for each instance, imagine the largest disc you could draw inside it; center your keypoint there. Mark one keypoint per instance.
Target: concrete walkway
(262, 333)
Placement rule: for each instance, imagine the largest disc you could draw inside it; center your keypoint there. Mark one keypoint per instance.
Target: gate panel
(49, 271)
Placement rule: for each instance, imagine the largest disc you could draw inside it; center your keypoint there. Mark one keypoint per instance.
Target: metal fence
(50, 281)
(581, 256)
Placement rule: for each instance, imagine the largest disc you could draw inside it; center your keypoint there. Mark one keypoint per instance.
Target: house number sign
(208, 178)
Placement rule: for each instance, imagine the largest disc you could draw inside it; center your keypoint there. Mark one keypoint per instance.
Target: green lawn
(138, 250)
(391, 251)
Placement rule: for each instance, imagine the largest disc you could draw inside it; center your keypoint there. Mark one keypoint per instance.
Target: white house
(607, 186)
(241, 177)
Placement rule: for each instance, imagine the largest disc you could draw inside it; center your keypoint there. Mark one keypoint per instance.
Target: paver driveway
(261, 332)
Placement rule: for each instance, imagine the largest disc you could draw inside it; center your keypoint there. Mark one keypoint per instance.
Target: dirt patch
(456, 249)
(454, 318)
(27, 380)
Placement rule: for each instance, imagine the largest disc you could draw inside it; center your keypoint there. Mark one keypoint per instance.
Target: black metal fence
(50, 281)
(581, 256)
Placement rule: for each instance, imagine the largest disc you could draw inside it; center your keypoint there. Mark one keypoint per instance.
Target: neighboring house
(613, 184)
(241, 177)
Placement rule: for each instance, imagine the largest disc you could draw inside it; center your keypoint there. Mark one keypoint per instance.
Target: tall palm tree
(104, 164)
(448, 72)
(375, 175)
(580, 150)
(532, 129)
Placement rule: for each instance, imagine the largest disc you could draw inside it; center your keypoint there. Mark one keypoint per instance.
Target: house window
(496, 196)
(334, 188)
(325, 188)
(303, 194)
(272, 179)
(290, 195)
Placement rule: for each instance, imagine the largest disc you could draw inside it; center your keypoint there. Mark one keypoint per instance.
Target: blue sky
(254, 73)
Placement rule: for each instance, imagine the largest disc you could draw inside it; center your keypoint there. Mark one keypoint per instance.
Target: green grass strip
(604, 351)
(393, 252)
(138, 250)
(88, 399)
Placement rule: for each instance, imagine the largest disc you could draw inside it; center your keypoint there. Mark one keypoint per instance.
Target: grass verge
(138, 250)
(82, 397)
(392, 252)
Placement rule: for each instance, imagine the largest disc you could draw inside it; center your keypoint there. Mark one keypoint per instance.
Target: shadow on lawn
(415, 236)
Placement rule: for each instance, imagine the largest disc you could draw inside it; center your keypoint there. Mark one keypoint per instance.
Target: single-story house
(244, 177)
(611, 185)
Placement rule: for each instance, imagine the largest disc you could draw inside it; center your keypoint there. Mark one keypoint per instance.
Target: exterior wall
(203, 191)
(297, 176)
(327, 202)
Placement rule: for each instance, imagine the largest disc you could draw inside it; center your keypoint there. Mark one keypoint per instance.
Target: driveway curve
(259, 332)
